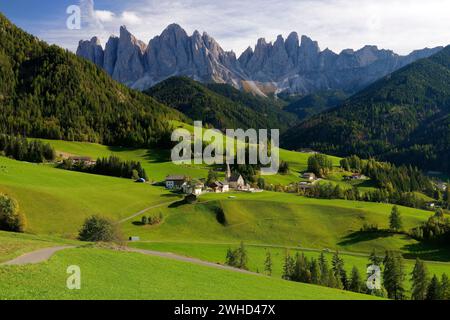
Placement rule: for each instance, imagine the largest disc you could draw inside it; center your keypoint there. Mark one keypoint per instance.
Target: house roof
(309, 174)
(80, 158)
(175, 178)
(234, 178)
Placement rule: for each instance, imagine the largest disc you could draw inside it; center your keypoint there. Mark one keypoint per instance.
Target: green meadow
(58, 201)
(257, 254)
(282, 219)
(107, 274)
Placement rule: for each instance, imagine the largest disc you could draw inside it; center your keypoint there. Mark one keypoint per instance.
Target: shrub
(99, 229)
(11, 219)
(144, 220)
(220, 216)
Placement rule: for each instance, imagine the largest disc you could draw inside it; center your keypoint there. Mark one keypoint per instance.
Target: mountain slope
(404, 117)
(222, 107)
(295, 65)
(312, 104)
(48, 92)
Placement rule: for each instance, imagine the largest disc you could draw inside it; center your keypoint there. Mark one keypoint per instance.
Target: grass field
(107, 274)
(13, 245)
(256, 256)
(158, 165)
(282, 219)
(57, 201)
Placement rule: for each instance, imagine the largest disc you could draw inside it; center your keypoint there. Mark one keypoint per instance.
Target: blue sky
(400, 25)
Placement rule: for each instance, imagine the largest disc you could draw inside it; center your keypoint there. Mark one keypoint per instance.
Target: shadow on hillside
(178, 204)
(152, 156)
(361, 236)
(159, 156)
(426, 251)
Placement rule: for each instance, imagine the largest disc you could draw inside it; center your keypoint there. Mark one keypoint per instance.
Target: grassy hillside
(281, 219)
(145, 277)
(16, 244)
(157, 163)
(257, 255)
(57, 201)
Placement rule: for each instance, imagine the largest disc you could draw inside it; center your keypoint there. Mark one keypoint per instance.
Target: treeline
(22, 149)
(111, 166)
(390, 177)
(331, 191)
(320, 165)
(436, 229)
(386, 276)
(48, 92)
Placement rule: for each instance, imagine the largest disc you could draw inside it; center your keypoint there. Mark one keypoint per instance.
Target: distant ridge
(295, 65)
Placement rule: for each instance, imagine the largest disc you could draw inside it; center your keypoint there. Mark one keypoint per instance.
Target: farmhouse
(309, 176)
(220, 187)
(82, 160)
(356, 176)
(175, 182)
(193, 188)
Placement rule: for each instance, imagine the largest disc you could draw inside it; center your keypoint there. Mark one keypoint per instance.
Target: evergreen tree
(445, 288)
(355, 281)
(374, 259)
(395, 219)
(315, 272)
(394, 275)
(268, 264)
(434, 289)
(288, 267)
(338, 270)
(242, 257)
(419, 279)
(323, 266)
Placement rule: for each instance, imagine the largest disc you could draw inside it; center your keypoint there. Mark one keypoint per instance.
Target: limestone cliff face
(296, 65)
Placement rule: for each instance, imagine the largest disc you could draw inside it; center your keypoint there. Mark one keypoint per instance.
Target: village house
(305, 186)
(442, 186)
(175, 182)
(309, 176)
(87, 161)
(193, 188)
(220, 187)
(356, 176)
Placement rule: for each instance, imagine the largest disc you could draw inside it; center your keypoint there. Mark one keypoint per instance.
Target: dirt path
(147, 209)
(177, 257)
(35, 256)
(45, 254)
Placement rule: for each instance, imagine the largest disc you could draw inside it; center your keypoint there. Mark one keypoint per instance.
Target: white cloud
(104, 15)
(130, 17)
(400, 25)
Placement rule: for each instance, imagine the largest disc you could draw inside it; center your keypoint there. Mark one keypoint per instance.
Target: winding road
(35, 256)
(45, 254)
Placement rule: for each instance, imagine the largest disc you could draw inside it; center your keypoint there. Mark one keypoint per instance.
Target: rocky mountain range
(295, 65)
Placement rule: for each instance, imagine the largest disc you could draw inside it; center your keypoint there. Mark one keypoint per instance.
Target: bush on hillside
(99, 229)
(11, 219)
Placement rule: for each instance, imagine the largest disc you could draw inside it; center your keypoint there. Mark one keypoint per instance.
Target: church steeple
(228, 171)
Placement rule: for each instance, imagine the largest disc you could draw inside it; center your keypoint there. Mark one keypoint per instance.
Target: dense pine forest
(48, 92)
(404, 118)
(220, 106)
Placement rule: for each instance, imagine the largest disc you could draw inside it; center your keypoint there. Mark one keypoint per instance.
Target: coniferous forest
(48, 92)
